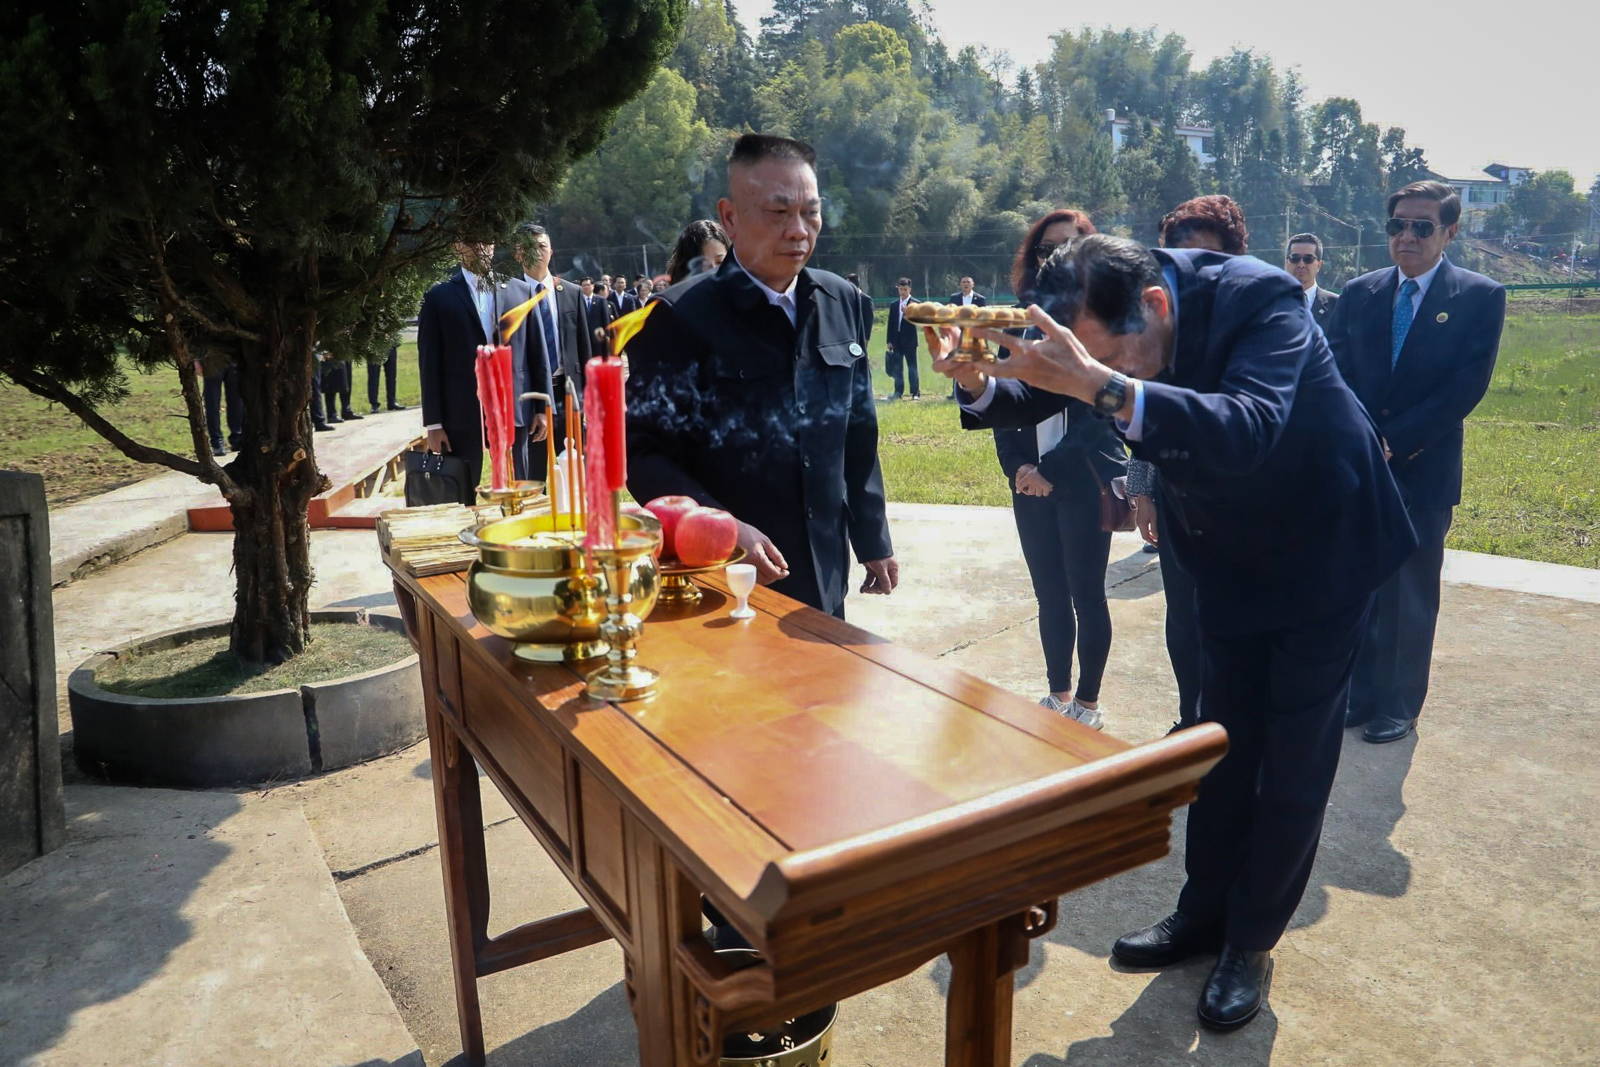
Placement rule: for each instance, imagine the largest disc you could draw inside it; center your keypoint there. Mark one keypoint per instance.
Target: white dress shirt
(1423, 280)
(784, 300)
(965, 299)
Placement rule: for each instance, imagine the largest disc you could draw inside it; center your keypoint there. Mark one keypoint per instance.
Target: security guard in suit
(750, 390)
(1303, 260)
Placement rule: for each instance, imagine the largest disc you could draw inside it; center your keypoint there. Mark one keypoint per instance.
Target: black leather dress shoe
(1352, 717)
(1383, 729)
(1234, 992)
(1173, 939)
(394, 407)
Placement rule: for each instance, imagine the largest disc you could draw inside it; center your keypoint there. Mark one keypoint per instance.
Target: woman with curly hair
(701, 248)
(1056, 470)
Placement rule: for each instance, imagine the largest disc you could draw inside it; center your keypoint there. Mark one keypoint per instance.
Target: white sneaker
(1056, 704)
(1090, 717)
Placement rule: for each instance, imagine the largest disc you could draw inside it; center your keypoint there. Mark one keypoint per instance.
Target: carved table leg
(978, 1014)
(466, 879)
(664, 1005)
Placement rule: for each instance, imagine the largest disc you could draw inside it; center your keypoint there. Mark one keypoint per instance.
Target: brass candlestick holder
(513, 498)
(971, 349)
(621, 678)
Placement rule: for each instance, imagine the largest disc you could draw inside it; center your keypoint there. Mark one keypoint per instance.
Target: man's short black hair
(752, 148)
(1303, 239)
(903, 281)
(852, 278)
(1448, 199)
(585, 280)
(1103, 275)
(531, 229)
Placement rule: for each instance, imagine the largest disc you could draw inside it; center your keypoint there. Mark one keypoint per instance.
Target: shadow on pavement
(600, 1034)
(93, 921)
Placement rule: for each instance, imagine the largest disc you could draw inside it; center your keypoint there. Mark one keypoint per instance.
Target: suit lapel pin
(1442, 317)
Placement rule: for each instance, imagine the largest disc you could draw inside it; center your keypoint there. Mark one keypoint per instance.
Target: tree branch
(46, 387)
(169, 291)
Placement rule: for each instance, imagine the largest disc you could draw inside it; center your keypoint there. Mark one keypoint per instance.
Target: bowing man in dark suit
(966, 294)
(1417, 343)
(750, 390)
(457, 316)
(1303, 260)
(901, 337)
(1277, 501)
(558, 332)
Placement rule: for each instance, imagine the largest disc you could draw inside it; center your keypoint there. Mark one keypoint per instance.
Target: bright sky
(1472, 82)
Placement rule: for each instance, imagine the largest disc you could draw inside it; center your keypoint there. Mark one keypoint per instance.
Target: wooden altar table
(854, 808)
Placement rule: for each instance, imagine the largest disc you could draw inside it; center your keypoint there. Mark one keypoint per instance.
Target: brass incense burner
(964, 317)
(529, 584)
(513, 498)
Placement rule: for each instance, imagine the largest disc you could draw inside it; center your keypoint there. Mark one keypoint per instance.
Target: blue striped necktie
(1404, 311)
(546, 312)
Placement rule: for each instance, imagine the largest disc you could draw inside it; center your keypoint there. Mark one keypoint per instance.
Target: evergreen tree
(183, 180)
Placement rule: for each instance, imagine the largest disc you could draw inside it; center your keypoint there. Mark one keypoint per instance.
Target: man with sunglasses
(1303, 259)
(1417, 344)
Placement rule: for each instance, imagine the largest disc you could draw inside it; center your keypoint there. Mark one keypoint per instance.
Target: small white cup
(741, 579)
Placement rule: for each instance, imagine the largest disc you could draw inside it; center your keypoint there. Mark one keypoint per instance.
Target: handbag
(1116, 513)
(435, 478)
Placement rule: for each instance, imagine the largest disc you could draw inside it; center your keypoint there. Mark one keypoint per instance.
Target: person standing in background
(900, 357)
(556, 334)
(1303, 260)
(386, 369)
(965, 295)
(1417, 342)
(1056, 469)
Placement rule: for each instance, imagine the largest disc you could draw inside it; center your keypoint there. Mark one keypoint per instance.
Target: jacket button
(1183, 455)
(1384, 412)
(811, 513)
(1199, 533)
(805, 461)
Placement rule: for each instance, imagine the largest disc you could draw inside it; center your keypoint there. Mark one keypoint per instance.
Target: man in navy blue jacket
(900, 355)
(1417, 343)
(1281, 508)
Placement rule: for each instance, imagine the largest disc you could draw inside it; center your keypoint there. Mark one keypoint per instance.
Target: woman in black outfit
(1056, 470)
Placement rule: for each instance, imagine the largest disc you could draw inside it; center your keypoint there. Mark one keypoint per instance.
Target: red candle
(605, 388)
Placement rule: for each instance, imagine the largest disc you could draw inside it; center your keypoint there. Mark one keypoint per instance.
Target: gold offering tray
(677, 589)
(964, 317)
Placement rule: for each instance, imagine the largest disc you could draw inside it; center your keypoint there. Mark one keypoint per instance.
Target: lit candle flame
(512, 320)
(623, 329)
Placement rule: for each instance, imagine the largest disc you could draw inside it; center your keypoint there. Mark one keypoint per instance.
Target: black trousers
(317, 417)
(1391, 677)
(217, 389)
(1183, 627)
(336, 387)
(898, 366)
(1253, 832)
(387, 369)
(1067, 554)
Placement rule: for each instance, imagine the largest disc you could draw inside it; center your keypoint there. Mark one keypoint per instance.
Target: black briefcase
(433, 478)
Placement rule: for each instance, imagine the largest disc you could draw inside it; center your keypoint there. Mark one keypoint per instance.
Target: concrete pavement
(1450, 917)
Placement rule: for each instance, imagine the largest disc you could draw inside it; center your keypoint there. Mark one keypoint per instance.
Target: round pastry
(966, 313)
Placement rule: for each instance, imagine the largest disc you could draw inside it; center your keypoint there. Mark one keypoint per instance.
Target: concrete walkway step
(100, 531)
(191, 928)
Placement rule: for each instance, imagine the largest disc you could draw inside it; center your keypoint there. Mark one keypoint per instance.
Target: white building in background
(1197, 138)
(1483, 193)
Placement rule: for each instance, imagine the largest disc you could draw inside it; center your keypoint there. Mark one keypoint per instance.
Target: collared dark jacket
(1274, 490)
(448, 335)
(731, 405)
(572, 333)
(900, 335)
(1443, 371)
(1322, 305)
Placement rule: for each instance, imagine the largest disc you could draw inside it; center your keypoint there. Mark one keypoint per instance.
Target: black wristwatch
(1112, 395)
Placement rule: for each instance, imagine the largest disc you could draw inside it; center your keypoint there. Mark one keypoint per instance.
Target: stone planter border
(204, 742)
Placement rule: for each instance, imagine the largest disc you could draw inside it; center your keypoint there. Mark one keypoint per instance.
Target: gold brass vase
(529, 585)
(622, 678)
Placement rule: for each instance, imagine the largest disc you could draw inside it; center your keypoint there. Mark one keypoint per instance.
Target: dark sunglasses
(1423, 228)
(1042, 252)
(1307, 260)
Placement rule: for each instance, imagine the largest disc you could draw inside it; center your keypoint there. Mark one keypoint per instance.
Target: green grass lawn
(1532, 452)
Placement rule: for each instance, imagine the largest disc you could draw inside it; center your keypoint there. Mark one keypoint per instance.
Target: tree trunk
(276, 473)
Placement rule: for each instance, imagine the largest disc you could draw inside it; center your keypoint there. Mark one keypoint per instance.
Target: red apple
(669, 509)
(642, 512)
(706, 536)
